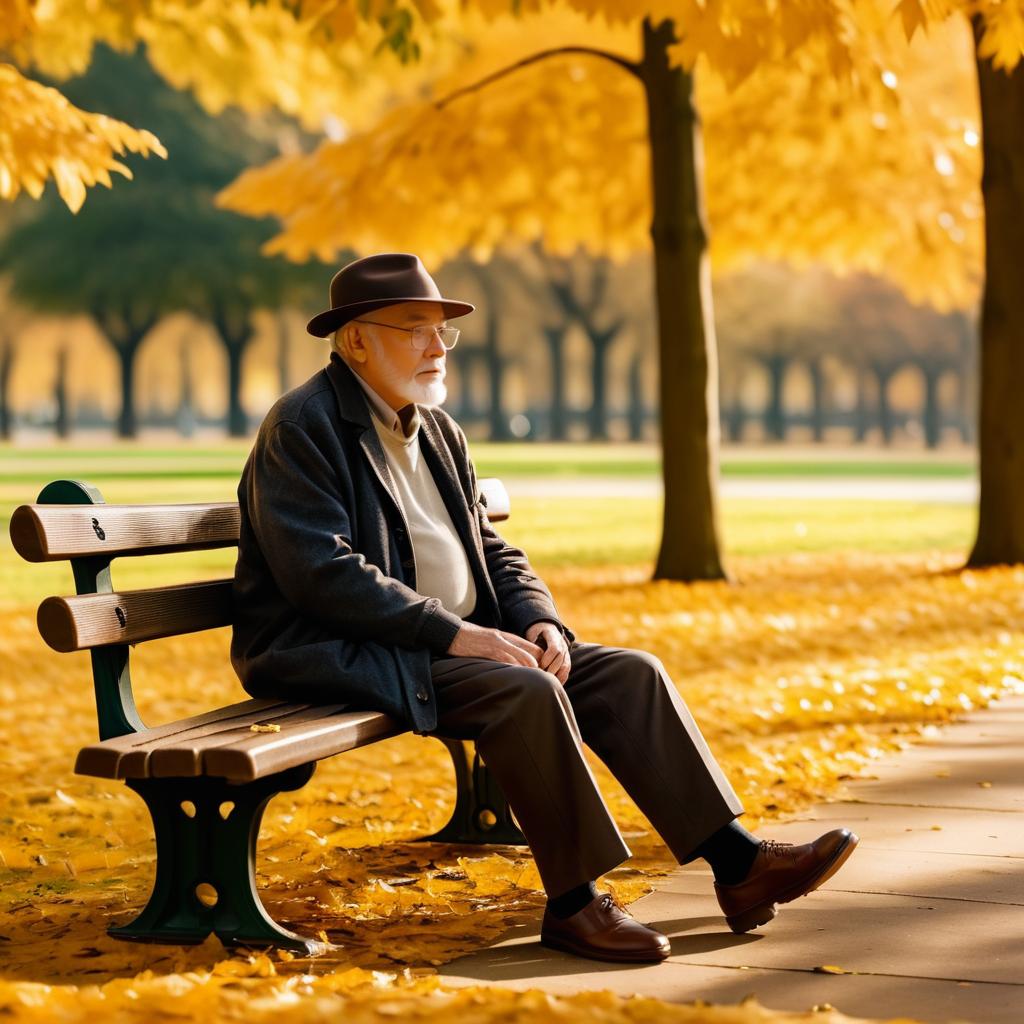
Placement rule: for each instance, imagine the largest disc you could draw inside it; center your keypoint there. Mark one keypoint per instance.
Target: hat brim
(331, 319)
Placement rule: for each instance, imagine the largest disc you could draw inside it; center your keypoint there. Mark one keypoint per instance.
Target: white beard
(427, 391)
(421, 389)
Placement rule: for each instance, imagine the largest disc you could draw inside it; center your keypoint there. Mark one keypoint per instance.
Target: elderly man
(369, 573)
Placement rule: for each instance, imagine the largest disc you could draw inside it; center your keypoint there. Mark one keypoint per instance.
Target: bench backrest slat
(131, 616)
(47, 533)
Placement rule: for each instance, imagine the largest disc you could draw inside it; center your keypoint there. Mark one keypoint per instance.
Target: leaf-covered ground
(799, 673)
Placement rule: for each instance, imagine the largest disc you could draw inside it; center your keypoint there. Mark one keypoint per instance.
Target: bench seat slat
(226, 746)
(266, 753)
(183, 754)
(138, 762)
(104, 758)
(46, 533)
(81, 622)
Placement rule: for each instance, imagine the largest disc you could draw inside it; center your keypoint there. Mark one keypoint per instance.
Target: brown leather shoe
(780, 873)
(602, 930)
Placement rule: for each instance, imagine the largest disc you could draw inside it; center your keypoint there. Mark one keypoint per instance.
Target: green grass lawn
(584, 532)
(553, 532)
(33, 466)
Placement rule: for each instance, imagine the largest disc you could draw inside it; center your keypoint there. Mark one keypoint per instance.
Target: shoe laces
(607, 901)
(773, 848)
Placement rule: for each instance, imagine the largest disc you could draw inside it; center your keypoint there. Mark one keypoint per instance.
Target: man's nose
(436, 346)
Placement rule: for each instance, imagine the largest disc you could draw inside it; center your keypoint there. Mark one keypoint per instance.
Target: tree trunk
(496, 378)
(125, 335)
(734, 414)
(127, 427)
(234, 334)
(735, 420)
(1000, 537)
(775, 413)
(559, 426)
(7, 352)
(636, 398)
(495, 361)
(597, 417)
(818, 399)
(882, 376)
(467, 407)
(860, 413)
(237, 420)
(688, 366)
(967, 379)
(186, 402)
(62, 421)
(931, 414)
(965, 412)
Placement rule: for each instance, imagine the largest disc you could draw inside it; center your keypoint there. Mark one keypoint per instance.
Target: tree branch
(630, 66)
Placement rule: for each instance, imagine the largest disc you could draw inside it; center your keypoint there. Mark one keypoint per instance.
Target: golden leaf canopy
(76, 148)
(798, 166)
(311, 58)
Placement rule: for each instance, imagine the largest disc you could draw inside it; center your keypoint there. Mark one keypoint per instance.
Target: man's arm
(303, 530)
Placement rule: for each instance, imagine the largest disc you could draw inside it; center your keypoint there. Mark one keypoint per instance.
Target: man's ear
(353, 342)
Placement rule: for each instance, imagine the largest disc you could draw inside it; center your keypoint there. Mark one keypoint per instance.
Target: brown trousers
(530, 730)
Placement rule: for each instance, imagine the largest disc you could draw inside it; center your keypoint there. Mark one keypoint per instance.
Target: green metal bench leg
(208, 847)
(481, 814)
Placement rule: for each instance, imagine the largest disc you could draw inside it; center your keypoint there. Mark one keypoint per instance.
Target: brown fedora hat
(376, 281)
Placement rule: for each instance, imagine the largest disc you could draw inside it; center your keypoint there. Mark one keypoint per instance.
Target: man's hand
(474, 641)
(555, 658)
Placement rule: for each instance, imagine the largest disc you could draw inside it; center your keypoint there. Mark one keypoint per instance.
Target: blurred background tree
(157, 244)
(815, 63)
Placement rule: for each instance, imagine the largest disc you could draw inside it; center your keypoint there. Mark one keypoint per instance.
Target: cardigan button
(422, 696)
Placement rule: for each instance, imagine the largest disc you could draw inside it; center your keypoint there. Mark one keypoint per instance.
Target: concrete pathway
(926, 918)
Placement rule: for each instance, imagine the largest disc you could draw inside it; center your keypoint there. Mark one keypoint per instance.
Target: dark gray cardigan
(325, 607)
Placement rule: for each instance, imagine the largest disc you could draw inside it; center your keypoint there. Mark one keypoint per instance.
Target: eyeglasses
(423, 335)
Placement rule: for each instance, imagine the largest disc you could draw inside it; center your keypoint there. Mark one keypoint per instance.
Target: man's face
(386, 360)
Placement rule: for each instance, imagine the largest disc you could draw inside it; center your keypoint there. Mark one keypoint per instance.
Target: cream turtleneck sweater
(442, 566)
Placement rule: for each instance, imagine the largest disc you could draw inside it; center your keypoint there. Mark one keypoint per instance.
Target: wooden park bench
(206, 779)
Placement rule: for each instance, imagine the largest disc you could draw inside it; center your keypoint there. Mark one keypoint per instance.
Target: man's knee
(640, 664)
(533, 685)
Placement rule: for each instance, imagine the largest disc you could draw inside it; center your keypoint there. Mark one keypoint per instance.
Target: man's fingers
(550, 655)
(522, 656)
(561, 668)
(534, 650)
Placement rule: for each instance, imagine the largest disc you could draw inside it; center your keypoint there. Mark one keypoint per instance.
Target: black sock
(573, 901)
(730, 851)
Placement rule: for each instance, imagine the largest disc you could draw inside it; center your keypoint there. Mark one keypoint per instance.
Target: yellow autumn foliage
(76, 149)
(307, 57)
(799, 676)
(253, 989)
(16, 20)
(799, 167)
